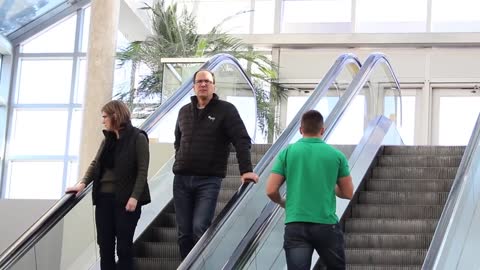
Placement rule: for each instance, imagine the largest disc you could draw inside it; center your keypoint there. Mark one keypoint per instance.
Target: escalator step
(385, 256)
(407, 226)
(163, 234)
(397, 211)
(424, 150)
(157, 250)
(432, 185)
(166, 220)
(383, 267)
(402, 197)
(419, 161)
(415, 172)
(388, 241)
(155, 264)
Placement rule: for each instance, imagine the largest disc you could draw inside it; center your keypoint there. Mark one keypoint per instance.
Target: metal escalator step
(155, 264)
(403, 197)
(432, 185)
(388, 241)
(385, 256)
(260, 148)
(163, 234)
(419, 161)
(231, 182)
(424, 150)
(254, 157)
(390, 226)
(166, 220)
(157, 250)
(397, 211)
(415, 172)
(383, 267)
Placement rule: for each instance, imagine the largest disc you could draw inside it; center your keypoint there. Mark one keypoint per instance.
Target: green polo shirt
(311, 169)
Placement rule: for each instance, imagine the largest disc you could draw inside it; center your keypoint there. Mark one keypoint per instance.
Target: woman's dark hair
(118, 113)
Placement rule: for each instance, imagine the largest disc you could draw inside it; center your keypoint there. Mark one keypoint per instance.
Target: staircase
(396, 209)
(157, 248)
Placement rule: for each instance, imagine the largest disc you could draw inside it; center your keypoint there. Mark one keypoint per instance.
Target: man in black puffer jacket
(203, 133)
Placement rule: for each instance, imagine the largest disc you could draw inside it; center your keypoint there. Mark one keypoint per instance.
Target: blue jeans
(195, 199)
(301, 238)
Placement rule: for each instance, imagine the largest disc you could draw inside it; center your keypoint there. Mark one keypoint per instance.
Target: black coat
(130, 181)
(203, 137)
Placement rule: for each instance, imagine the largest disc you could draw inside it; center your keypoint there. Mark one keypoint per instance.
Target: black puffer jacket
(203, 137)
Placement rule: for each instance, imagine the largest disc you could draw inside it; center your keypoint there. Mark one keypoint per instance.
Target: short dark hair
(312, 122)
(119, 113)
(200, 70)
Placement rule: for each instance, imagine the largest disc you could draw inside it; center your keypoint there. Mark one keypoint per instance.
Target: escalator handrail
(187, 86)
(320, 90)
(48, 220)
(452, 204)
(40, 228)
(335, 115)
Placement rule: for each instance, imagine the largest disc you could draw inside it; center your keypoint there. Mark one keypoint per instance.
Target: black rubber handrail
(56, 213)
(237, 199)
(258, 228)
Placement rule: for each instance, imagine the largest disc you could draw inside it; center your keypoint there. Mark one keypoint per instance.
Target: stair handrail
(320, 90)
(452, 205)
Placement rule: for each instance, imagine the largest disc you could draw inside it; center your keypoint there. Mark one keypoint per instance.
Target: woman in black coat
(119, 176)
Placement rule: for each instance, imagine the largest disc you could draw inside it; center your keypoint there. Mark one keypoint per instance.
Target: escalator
(64, 238)
(405, 196)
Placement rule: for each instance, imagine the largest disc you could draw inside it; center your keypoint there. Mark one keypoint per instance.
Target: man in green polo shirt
(315, 172)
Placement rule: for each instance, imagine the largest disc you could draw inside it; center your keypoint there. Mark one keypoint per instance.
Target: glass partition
(223, 243)
(70, 243)
(267, 252)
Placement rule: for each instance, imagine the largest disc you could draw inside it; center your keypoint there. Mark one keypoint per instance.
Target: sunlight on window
(457, 119)
(455, 16)
(34, 180)
(62, 35)
(312, 11)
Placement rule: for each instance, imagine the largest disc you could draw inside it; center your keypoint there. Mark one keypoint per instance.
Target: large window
(455, 16)
(43, 136)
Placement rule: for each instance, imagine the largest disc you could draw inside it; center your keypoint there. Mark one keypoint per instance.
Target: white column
(100, 68)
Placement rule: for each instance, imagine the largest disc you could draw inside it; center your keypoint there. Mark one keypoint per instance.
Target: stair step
(385, 256)
(163, 234)
(383, 267)
(157, 250)
(390, 226)
(225, 195)
(166, 220)
(432, 185)
(155, 263)
(415, 172)
(419, 161)
(424, 150)
(254, 157)
(231, 182)
(388, 241)
(397, 211)
(403, 197)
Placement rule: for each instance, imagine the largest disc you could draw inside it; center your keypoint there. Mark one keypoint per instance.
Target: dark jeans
(195, 198)
(113, 221)
(301, 238)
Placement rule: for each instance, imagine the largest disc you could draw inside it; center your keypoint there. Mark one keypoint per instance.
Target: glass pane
(263, 17)
(407, 127)
(44, 81)
(70, 244)
(17, 13)
(75, 132)
(72, 173)
(63, 35)
(457, 119)
(313, 16)
(235, 16)
(79, 96)
(376, 16)
(35, 180)
(455, 16)
(38, 132)
(294, 104)
(350, 129)
(86, 29)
